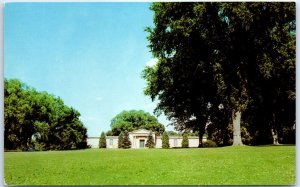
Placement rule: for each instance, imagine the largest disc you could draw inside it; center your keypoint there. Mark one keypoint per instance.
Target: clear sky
(89, 54)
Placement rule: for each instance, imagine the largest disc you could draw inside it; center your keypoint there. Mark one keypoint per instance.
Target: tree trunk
(201, 133)
(274, 131)
(275, 137)
(200, 140)
(236, 120)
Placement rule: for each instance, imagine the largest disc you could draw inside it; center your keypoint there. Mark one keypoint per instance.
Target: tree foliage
(109, 133)
(240, 55)
(150, 141)
(126, 141)
(133, 120)
(39, 120)
(120, 140)
(165, 141)
(185, 141)
(102, 141)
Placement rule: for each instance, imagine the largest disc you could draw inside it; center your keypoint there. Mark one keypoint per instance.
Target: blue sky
(89, 54)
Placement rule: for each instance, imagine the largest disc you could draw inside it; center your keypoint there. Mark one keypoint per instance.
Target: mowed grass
(245, 165)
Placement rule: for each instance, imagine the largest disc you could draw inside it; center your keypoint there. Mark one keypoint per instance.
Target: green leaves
(150, 141)
(219, 53)
(135, 119)
(102, 141)
(185, 141)
(30, 114)
(126, 144)
(165, 141)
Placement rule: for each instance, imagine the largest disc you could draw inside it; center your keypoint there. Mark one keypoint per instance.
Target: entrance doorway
(142, 143)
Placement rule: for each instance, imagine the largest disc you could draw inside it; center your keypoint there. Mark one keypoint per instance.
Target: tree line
(39, 121)
(225, 68)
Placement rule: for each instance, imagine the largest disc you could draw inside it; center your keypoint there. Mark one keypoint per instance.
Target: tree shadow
(273, 145)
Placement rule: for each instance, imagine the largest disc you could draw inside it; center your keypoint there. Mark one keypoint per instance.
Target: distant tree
(192, 133)
(135, 119)
(102, 141)
(120, 140)
(173, 133)
(185, 141)
(165, 141)
(126, 141)
(150, 141)
(109, 133)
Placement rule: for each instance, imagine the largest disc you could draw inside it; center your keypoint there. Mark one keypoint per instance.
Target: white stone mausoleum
(138, 139)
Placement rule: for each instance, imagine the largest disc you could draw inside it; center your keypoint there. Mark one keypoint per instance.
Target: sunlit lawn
(262, 165)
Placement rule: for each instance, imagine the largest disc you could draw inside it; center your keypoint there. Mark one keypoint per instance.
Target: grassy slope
(273, 165)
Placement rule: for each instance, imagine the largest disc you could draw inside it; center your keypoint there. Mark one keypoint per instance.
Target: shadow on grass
(273, 145)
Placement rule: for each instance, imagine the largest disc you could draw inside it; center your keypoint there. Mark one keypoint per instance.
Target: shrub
(224, 137)
(221, 134)
(102, 141)
(246, 137)
(287, 135)
(261, 136)
(185, 141)
(209, 143)
(126, 141)
(39, 146)
(165, 141)
(150, 141)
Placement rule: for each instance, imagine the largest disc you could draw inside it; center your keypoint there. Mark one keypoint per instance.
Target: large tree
(261, 50)
(181, 80)
(219, 53)
(135, 119)
(39, 120)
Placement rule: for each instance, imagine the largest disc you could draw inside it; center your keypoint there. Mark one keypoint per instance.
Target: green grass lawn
(262, 165)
